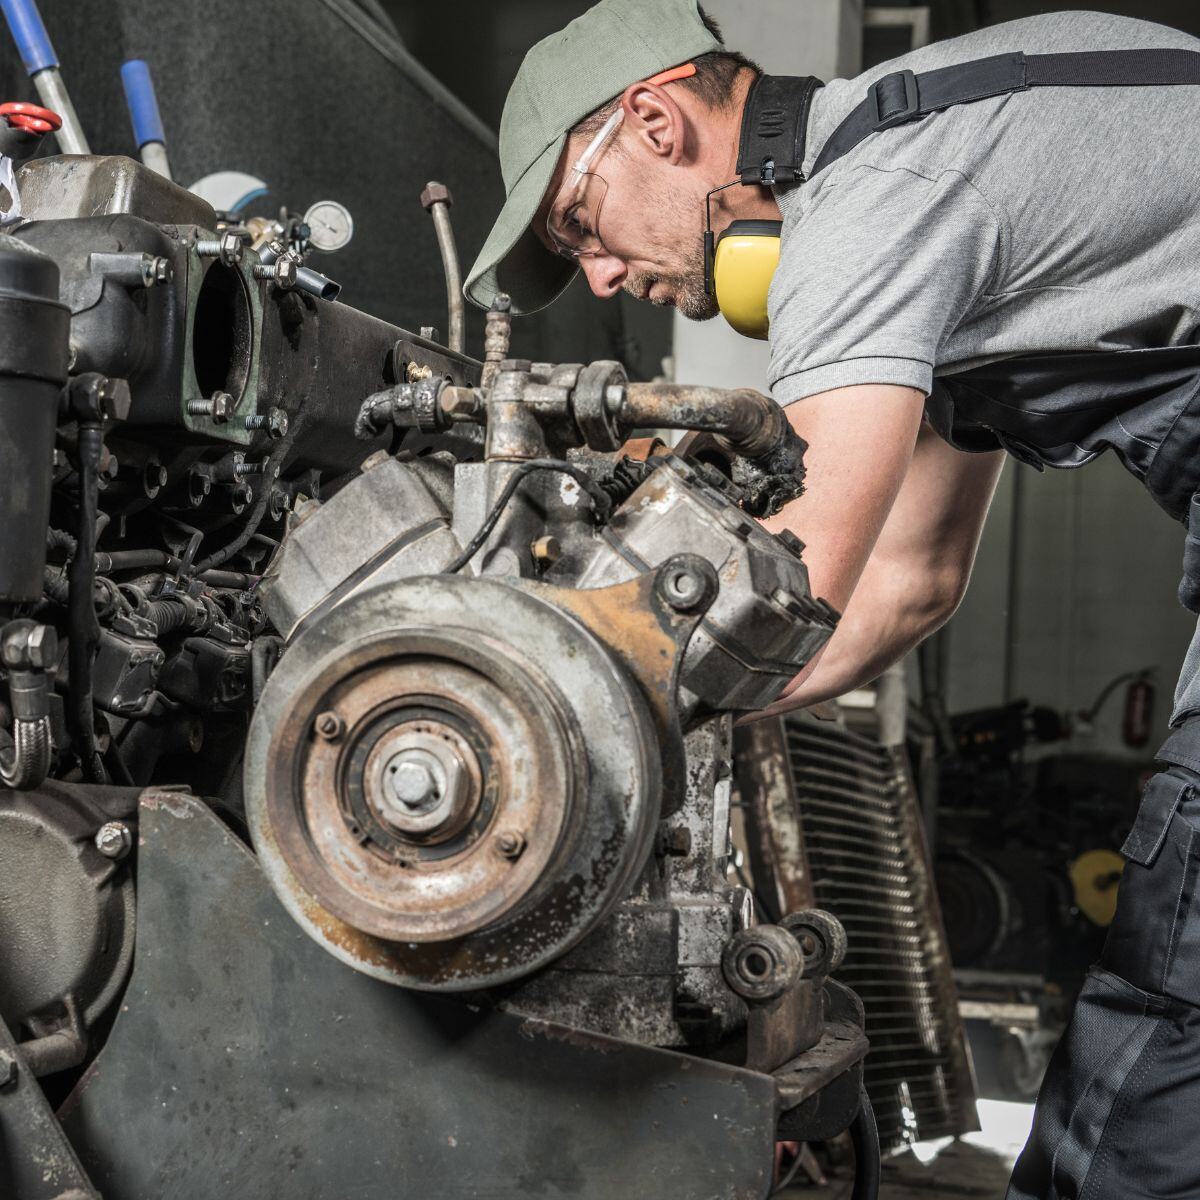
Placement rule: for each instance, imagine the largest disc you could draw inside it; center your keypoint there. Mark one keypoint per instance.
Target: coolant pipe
(33, 44)
(144, 115)
(768, 461)
(436, 201)
(750, 422)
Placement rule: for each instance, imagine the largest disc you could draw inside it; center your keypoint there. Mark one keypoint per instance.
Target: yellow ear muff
(744, 262)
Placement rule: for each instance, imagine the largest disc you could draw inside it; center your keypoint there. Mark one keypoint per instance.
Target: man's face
(648, 216)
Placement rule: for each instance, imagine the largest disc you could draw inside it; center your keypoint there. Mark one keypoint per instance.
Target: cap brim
(513, 259)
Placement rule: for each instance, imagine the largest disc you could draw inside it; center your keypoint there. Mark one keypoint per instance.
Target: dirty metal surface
(574, 763)
(246, 1061)
(774, 834)
(36, 1160)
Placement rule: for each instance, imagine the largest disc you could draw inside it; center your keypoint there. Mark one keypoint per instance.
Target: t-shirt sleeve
(875, 272)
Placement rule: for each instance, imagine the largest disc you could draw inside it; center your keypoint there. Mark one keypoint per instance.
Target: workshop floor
(974, 1167)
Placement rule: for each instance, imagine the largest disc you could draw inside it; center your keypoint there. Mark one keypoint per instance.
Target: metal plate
(246, 1061)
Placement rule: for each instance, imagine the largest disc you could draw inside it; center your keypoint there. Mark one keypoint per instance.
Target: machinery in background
(1027, 868)
(460, 661)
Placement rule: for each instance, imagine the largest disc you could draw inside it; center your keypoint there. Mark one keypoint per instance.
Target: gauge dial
(331, 225)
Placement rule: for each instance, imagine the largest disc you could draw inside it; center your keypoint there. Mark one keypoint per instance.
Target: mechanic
(971, 263)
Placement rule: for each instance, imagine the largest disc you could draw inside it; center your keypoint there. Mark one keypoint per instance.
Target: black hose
(168, 615)
(600, 500)
(83, 627)
(864, 1137)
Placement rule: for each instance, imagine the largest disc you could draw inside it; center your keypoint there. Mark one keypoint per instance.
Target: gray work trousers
(1118, 1114)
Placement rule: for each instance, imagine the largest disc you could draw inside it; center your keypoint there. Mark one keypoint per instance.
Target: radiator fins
(868, 863)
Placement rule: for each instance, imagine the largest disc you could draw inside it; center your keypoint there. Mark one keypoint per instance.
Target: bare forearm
(884, 620)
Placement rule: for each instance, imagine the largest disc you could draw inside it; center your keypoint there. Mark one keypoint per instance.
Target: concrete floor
(974, 1167)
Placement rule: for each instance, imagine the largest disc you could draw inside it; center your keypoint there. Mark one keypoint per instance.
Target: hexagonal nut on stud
(435, 193)
(9, 1070)
(231, 249)
(222, 407)
(329, 726)
(510, 843)
(285, 272)
(114, 839)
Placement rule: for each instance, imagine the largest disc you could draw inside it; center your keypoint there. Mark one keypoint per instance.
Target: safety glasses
(573, 223)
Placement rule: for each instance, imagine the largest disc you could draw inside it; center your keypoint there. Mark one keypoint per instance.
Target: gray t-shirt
(1052, 220)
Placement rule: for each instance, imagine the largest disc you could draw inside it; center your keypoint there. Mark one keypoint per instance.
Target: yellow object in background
(744, 263)
(1095, 875)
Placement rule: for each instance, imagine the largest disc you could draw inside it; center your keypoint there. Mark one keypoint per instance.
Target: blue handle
(30, 34)
(143, 106)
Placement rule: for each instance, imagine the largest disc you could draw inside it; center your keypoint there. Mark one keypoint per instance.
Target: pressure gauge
(331, 225)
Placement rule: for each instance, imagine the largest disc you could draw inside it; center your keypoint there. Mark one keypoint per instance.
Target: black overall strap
(774, 123)
(902, 96)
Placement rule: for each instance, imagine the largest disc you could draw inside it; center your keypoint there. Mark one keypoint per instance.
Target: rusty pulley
(449, 782)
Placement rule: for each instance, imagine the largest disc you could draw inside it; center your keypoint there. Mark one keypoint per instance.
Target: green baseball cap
(563, 78)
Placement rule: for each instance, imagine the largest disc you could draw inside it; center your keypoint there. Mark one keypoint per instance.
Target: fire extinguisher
(1137, 723)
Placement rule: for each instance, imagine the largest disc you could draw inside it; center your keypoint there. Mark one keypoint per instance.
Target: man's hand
(888, 518)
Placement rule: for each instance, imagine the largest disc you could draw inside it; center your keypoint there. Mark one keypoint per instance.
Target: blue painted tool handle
(143, 106)
(30, 34)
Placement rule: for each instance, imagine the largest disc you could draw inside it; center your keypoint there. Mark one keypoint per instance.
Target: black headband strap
(774, 122)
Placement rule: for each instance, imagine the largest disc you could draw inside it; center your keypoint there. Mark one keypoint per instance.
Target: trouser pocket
(1118, 1115)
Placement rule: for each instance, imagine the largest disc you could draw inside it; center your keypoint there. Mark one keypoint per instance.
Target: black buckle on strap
(893, 100)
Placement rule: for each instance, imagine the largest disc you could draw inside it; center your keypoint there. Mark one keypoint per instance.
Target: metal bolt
(114, 840)
(330, 726)
(458, 403)
(9, 1070)
(546, 549)
(274, 421)
(219, 406)
(155, 269)
(242, 467)
(510, 843)
(281, 272)
(413, 784)
(228, 249)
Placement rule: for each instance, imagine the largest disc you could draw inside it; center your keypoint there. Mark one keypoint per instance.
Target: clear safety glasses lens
(574, 221)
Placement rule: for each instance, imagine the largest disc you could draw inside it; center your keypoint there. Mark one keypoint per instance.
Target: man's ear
(655, 120)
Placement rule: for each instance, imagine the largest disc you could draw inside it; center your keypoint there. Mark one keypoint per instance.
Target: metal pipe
(768, 454)
(37, 53)
(751, 423)
(436, 200)
(497, 331)
(144, 115)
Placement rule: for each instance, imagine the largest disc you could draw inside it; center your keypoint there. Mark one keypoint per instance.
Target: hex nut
(231, 249)
(277, 423)
(285, 273)
(510, 843)
(9, 1069)
(114, 839)
(329, 726)
(222, 407)
(435, 193)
